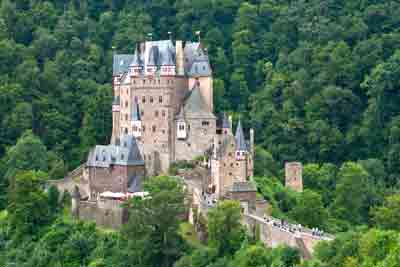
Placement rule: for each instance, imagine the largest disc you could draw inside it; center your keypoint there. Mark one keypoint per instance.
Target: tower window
(153, 128)
(163, 113)
(151, 99)
(143, 99)
(143, 128)
(160, 99)
(126, 130)
(181, 127)
(238, 154)
(126, 103)
(205, 123)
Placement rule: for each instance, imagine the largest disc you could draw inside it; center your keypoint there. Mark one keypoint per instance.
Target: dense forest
(317, 79)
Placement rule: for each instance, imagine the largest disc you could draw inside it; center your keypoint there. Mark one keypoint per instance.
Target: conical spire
(239, 136)
(135, 111)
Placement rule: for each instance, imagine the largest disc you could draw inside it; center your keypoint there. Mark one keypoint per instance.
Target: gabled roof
(125, 153)
(239, 136)
(195, 106)
(121, 63)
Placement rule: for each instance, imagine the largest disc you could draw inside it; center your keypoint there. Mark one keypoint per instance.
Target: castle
(163, 98)
(162, 114)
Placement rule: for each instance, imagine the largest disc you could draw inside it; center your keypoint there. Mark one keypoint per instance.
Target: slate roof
(225, 122)
(195, 106)
(116, 101)
(200, 66)
(239, 136)
(243, 187)
(121, 63)
(135, 111)
(125, 153)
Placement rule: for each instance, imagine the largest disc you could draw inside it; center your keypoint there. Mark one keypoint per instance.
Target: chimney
(179, 58)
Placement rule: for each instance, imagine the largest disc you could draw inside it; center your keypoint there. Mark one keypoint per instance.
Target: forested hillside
(317, 79)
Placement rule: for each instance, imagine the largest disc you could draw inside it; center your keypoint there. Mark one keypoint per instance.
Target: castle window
(153, 128)
(230, 174)
(205, 123)
(163, 113)
(163, 131)
(122, 156)
(242, 153)
(189, 144)
(136, 99)
(97, 158)
(104, 158)
(181, 127)
(238, 154)
(158, 81)
(237, 164)
(126, 117)
(144, 81)
(143, 99)
(151, 99)
(135, 128)
(126, 130)
(156, 113)
(160, 99)
(143, 128)
(231, 164)
(124, 144)
(126, 103)
(230, 154)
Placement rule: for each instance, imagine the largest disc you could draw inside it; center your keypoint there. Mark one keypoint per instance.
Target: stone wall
(199, 138)
(105, 213)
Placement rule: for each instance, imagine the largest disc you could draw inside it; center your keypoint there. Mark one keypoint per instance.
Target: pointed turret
(226, 125)
(136, 120)
(241, 148)
(137, 65)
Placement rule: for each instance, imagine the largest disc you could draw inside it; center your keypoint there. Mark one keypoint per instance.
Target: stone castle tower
(163, 96)
(294, 176)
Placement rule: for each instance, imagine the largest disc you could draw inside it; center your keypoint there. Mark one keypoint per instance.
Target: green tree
(310, 210)
(388, 215)
(28, 205)
(225, 232)
(152, 229)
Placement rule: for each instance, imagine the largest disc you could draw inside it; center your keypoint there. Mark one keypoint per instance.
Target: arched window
(153, 128)
(143, 99)
(160, 99)
(151, 99)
